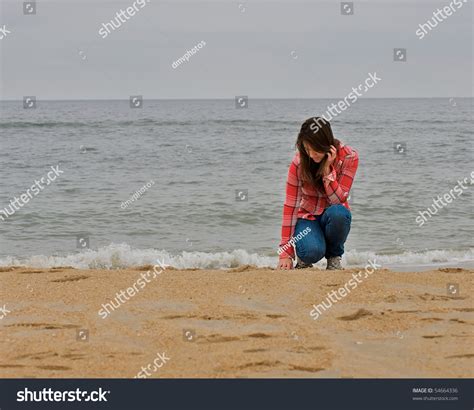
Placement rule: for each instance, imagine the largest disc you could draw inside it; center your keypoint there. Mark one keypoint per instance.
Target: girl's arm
(290, 210)
(337, 189)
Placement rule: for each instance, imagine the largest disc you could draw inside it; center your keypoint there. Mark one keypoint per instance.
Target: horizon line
(232, 99)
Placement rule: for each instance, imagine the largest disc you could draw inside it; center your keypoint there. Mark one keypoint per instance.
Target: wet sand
(245, 322)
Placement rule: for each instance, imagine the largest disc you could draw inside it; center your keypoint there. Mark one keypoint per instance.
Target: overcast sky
(263, 49)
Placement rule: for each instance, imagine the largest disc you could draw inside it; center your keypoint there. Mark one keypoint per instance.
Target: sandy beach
(243, 322)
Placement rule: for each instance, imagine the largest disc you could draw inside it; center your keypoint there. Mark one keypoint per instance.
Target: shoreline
(242, 322)
(396, 267)
(123, 256)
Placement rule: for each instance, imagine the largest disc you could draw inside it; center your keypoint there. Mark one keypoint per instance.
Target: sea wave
(140, 123)
(119, 256)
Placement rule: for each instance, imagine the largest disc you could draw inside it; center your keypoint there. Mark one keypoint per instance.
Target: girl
(316, 214)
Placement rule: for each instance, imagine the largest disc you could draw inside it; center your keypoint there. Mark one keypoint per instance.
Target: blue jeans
(327, 236)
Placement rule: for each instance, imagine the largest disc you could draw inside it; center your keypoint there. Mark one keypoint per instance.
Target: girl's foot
(334, 263)
(302, 265)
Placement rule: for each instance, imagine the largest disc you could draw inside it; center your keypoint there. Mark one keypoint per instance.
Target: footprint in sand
(71, 278)
(306, 368)
(457, 321)
(28, 272)
(255, 350)
(263, 363)
(37, 356)
(259, 335)
(451, 270)
(429, 297)
(43, 326)
(74, 356)
(461, 356)
(357, 315)
(215, 338)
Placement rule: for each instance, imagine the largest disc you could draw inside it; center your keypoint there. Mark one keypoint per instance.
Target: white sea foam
(122, 256)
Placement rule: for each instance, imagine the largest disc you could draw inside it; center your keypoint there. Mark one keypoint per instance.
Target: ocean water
(200, 154)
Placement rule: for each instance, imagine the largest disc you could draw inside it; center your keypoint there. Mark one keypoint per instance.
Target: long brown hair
(317, 133)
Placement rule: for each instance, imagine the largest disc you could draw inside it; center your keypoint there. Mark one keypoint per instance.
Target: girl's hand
(331, 156)
(285, 264)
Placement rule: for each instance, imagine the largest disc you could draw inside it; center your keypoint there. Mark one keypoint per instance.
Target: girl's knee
(339, 214)
(311, 255)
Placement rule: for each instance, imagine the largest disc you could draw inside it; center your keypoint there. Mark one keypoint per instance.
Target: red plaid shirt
(304, 201)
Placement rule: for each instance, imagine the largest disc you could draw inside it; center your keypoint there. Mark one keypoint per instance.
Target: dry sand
(245, 322)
